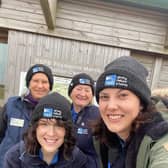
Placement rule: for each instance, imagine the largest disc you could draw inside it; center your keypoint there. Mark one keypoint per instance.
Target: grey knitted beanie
(126, 73)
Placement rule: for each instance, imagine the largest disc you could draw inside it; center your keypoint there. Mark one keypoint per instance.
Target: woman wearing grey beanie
(132, 134)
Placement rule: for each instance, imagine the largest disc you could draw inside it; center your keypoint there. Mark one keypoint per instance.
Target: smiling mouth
(51, 141)
(115, 116)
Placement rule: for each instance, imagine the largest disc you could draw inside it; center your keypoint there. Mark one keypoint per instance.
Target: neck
(77, 108)
(47, 157)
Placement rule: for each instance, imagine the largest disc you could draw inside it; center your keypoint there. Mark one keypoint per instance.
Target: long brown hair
(102, 133)
(32, 145)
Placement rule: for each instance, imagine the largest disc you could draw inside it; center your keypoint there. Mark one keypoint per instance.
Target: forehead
(83, 86)
(113, 90)
(49, 120)
(39, 75)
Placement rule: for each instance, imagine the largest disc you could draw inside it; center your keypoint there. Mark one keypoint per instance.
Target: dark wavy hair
(102, 133)
(32, 145)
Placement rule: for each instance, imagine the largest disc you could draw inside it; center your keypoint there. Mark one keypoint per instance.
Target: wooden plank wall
(149, 62)
(157, 66)
(163, 77)
(107, 22)
(65, 57)
(93, 21)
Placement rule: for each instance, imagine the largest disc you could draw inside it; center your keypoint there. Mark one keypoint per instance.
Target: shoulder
(78, 156)
(77, 153)
(14, 99)
(13, 151)
(159, 152)
(92, 111)
(153, 153)
(12, 156)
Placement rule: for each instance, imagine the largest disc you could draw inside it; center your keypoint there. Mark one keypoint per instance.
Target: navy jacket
(18, 158)
(84, 134)
(13, 122)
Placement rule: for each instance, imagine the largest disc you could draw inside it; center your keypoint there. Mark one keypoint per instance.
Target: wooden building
(73, 36)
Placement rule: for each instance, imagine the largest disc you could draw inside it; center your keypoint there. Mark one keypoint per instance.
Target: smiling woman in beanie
(81, 91)
(49, 142)
(132, 134)
(15, 116)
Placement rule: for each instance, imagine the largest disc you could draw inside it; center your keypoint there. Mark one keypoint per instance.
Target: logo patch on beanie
(84, 81)
(52, 113)
(37, 69)
(115, 80)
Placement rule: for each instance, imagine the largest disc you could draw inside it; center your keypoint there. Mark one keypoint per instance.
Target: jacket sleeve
(80, 159)
(159, 154)
(3, 122)
(11, 159)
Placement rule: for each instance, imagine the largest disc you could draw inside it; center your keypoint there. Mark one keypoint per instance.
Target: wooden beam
(3, 36)
(166, 40)
(49, 10)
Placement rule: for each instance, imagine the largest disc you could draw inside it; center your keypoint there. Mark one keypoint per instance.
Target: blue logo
(37, 69)
(48, 112)
(84, 81)
(110, 80)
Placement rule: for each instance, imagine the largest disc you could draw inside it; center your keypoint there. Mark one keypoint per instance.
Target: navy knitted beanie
(39, 68)
(81, 79)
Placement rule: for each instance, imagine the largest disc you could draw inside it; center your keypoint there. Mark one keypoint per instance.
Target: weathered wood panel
(156, 71)
(93, 21)
(65, 57)
(148, 61)
(163, 78)
(157, 66)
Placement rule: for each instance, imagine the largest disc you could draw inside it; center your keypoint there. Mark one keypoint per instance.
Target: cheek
(102, 108)
(38, 135)
(134, 109)
(47, 86)
(61, 132)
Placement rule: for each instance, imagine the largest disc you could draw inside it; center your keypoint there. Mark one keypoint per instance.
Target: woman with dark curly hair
(132, 134)
(49, 141)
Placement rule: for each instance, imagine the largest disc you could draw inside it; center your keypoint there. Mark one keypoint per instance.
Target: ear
(141, 107)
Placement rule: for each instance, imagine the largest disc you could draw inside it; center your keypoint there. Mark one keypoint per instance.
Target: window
(3, 62)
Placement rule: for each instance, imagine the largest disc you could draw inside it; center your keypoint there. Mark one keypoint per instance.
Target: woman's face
(119, 108)
(39, 85)
(49, 135)
(81, 95)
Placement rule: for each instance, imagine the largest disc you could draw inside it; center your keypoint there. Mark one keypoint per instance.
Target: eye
(87, 90)
(42, 123)
(103, 97)
(123, 95)
(35, 80)
(45, 82)
(78, 89)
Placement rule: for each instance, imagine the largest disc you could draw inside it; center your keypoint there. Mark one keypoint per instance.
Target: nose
(112, 104)
(40, 84)
(50, 130)
(82, 93)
